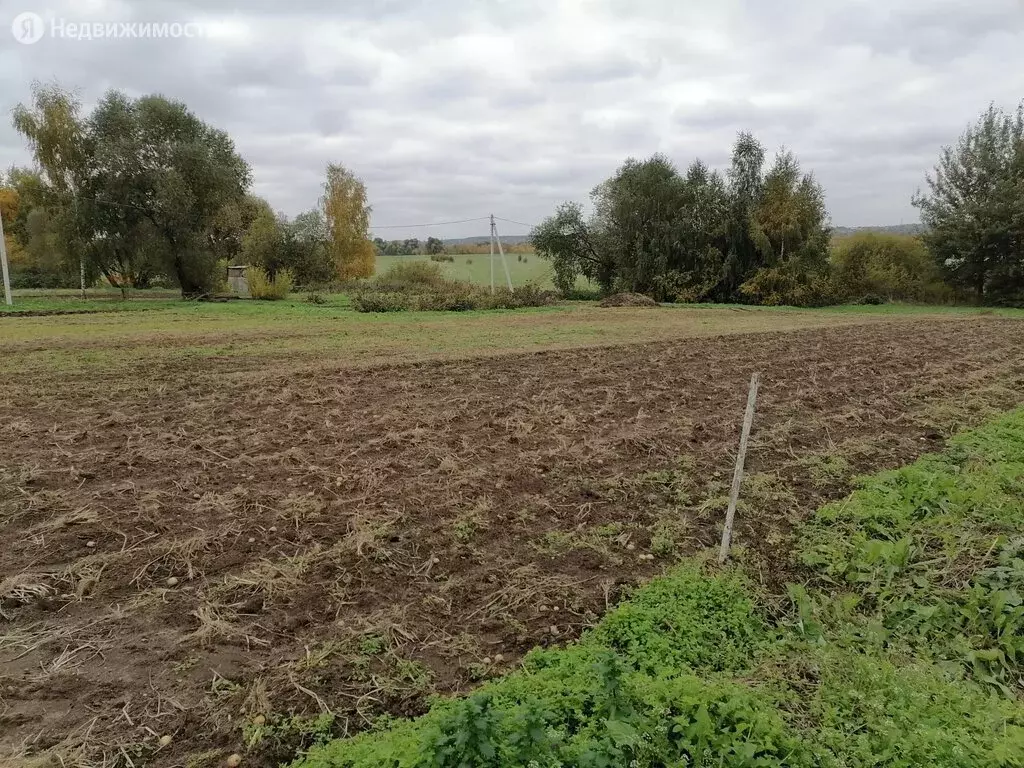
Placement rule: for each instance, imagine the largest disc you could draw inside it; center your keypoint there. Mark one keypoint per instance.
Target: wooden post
(737, 475)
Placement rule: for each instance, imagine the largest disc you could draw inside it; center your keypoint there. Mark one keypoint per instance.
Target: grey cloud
(599, 68)
(451, 109)
(744, 115)
(932, 33)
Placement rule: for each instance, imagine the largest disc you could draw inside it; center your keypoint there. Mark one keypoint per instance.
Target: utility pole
(492, 253)
(3, 263)
(495, 237)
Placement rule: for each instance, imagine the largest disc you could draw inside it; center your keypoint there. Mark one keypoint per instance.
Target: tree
(119, 239)
(227, 229)
(974, 208)
(263, 240)
(696, 236)
(641, 208)
(9, 208)
(192, 171)
(52, 125)
(158, 181)
(434, 246)
(307, 242)
(32, 228)
(789, 224)
(744, 187)
(347, 216)
(575, 247)
(790, 232)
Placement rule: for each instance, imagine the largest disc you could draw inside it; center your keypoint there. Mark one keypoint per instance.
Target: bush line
(420, 286)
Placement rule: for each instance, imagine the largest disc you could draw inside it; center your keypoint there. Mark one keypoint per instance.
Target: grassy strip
(929, 559)
(897, 654)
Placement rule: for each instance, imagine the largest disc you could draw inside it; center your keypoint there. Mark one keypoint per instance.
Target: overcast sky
(451, 109)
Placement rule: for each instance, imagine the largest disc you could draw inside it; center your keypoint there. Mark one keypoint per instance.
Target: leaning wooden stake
(737, 475)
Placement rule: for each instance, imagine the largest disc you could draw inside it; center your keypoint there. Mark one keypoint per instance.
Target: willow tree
(158, 179)
(348, 223)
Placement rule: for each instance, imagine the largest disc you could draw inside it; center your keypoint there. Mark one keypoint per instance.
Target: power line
(520, 223)
(431, 224)
(444, 223)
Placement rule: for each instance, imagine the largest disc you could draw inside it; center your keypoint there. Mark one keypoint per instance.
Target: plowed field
(200, 554)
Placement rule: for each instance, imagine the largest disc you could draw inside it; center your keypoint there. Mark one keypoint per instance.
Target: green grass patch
(932, 555)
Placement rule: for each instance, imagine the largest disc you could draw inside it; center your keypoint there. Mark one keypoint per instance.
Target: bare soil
(211, 548)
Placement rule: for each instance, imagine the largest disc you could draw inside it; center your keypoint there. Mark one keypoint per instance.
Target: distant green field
(476, 268)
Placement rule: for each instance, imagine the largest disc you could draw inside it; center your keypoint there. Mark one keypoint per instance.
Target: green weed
(936, 553)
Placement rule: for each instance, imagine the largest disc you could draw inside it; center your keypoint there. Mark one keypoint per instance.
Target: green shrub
(381, 301)
(684, 622)
(896, 267)
(441, 257)
(220, 279)
(864, 708)
(685, 286)
(445, 296)
(869, 299)
(262, 287)
(529, 295)
(787, 286)
(583, 294)
(316, 298)
(451, 296)
(37, 277)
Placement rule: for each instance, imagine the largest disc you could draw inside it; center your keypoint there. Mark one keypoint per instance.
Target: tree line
(760, 232)
(432, 246)
(142, 192)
